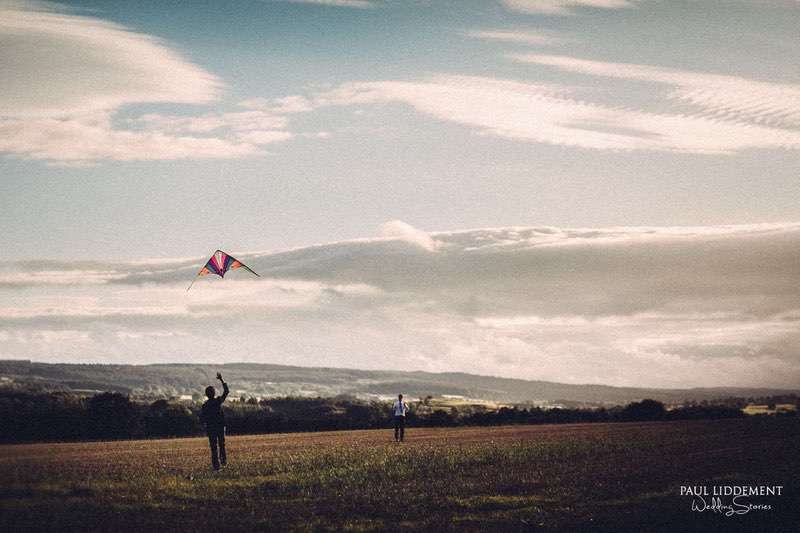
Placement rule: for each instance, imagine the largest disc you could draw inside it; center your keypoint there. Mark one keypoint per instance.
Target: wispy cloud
(718, 96)
(563, 7)
(523, 37)
(284, 105)
(71, 76)
(83, 140)
(59, 277)
(245, 128)
(553, 114)
(239, 121)
(358, 4)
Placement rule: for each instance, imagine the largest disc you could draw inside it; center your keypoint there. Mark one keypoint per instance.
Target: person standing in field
(400, 409)
(213, 419)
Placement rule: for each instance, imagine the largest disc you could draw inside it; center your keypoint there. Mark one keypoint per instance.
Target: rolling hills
(267, 380)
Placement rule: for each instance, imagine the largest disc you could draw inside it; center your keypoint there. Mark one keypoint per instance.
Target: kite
(219, 264)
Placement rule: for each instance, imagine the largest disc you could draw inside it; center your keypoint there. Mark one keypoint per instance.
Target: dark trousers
(399, 427)
(216, 440)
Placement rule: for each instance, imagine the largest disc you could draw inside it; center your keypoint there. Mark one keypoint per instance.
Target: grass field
(765, 410)
(612, 477)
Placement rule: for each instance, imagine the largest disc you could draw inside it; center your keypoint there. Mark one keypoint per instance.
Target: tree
(440, 418)
(164, 419)
(112, 414)
(644, 410)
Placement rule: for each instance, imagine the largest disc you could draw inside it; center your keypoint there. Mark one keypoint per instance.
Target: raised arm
(225, 390)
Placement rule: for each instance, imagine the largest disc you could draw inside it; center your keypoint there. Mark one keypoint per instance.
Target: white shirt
(400, 408)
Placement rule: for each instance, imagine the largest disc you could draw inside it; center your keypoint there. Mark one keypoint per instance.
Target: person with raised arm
(213, 419)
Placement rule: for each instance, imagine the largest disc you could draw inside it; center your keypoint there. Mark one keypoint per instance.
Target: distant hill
(278, 380)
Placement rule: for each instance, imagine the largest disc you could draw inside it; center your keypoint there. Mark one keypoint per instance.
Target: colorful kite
(219, 264)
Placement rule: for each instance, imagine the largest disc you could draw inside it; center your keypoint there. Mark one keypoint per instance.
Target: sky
(596, 191)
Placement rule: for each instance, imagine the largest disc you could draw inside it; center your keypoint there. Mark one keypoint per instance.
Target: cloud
(654, 306)
(530, 38)
(241, 121)
(129, 335)
(247, 128)
(265, 137)
(358, 4)
(71, 75)
(88, 140)
(58, 277)
(284, 105)
(397, 229)
(91, 310)
(722, 97)
(60, 336)
(554, 114)
(563, 7)
(66, 65)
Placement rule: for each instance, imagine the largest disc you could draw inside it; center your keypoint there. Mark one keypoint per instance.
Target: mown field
(607, 477)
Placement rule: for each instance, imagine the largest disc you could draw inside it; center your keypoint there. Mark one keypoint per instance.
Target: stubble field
(609, 477)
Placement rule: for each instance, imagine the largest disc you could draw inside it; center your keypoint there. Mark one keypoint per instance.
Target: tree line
(36, 416)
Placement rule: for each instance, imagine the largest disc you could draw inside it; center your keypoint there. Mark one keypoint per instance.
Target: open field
(765, 409)
(561, 477)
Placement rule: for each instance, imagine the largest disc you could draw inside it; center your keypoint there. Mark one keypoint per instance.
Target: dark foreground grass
(611, 477)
